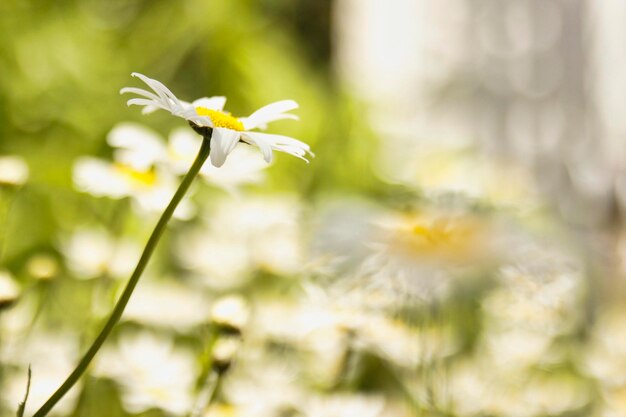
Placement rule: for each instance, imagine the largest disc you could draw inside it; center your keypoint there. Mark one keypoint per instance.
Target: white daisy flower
(151, 371)
(35, 347)
(227, 130)
(344, 405)
(91, 253)
(243, 235)
(151, 189)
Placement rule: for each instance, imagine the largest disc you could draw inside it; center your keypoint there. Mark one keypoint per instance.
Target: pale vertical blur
(535, 86)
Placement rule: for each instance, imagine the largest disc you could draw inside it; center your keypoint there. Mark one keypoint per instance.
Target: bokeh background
(455, 248)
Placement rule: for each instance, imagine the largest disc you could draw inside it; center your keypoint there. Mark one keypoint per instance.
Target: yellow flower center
(437, 233)
(141, 178)
(442, 237)
(221, 118)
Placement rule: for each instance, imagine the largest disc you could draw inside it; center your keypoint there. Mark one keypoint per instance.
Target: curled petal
(139, 92)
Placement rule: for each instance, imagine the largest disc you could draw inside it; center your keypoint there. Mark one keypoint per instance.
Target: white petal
(264, 146)
(149, 109)
(211, 103)
(281, 143)
(270, 113)
(139, 91)
(262, 123)
(146, 102)
(223, 141)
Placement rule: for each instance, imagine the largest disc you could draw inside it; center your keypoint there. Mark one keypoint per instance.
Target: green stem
(207, 394)
(205, 149)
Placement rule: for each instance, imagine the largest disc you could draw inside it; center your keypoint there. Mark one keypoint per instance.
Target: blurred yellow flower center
(448, 238)
(144, 178)
(437, 233)
(221, 119)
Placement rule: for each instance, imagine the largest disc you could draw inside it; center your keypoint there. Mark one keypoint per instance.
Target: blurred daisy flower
(227, 130)
(422, 253)
(244, 235)
(91, 253)
(139, 147)
(36, 348)
(262, 385)
(344, 405)
(151, 371)
(150, 188)
(168, 305)
(477, 388)
(13, 170)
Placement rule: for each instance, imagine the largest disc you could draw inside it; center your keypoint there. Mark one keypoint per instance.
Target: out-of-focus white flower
(223, 410)
(261, 386)
(476, 388)
(318, 334)
(606, 356)
(221, 262)
(141, 148)
(168, 305)
(151, 189)
(224, 351)
(516, 348)
(151, 371)
(346, 405)
(228, 130)
(343, 231)
(411, 253)
(43, 266)
(36, 350)
(242, 235)
(328, 322)
(13, 170)
(9, 290)
(91, 253)
(435, 236)
(417, 254)
(538, 299)
(231, 310)
(540, 294)
(16, 323)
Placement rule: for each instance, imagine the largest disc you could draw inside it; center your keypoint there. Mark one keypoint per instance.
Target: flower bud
(224, 352)
(230, 314)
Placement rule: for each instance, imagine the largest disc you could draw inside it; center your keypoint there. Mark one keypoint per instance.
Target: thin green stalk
(22, 406)
(116, 314)
(207, 394)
